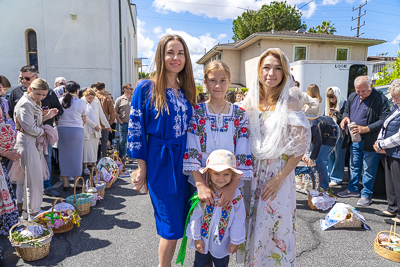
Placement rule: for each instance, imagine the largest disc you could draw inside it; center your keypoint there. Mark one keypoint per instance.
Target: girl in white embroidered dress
(217, 124)
(279, 136)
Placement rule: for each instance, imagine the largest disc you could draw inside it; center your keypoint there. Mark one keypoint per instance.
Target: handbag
(307, 178)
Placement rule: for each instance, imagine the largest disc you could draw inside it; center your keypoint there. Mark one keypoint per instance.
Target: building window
(300, 52)
(31, 49)
(342, 53)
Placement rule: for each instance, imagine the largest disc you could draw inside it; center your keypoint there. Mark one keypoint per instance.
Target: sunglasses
(26, 78)
(61, 83)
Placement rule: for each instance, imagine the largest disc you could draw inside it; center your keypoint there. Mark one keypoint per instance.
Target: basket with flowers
(31, 240)
(61, 221)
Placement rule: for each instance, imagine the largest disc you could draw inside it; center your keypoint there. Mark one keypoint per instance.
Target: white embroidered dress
(218, 227)
(208, 132)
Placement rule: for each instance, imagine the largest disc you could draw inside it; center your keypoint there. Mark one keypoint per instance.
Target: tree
(325, 27)
(278, 16)
(389, 72)
(143, 75)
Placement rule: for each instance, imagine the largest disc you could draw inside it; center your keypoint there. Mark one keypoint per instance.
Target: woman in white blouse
(71, 134)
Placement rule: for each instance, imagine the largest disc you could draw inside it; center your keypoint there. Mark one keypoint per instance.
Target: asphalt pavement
(120, 231)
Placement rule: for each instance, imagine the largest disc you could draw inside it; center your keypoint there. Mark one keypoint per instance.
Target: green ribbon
(194, 200)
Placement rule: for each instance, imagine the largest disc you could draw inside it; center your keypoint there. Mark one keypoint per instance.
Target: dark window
(31, 49)
(354, 72)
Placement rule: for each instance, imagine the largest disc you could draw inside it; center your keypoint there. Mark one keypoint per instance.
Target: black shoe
(51, 192)
(385, 213)
(391, 221)
(66, 188)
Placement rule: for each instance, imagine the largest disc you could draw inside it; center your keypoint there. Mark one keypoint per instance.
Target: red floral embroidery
(202, 121)
(226, 125)
(194, 126)
(243, 130)
(196, 107)
(201, 140)
(248, 162)
(186, 156)
(236, 122)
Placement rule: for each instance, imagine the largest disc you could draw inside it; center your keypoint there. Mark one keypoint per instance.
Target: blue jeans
(322, 162)
(361, 160)
(204, 260)
(123, 139)
(336, 162)
(47, 183)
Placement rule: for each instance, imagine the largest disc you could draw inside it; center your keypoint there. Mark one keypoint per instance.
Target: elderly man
(367, 108)
(122, 107)
(27, 75)
(59, 84)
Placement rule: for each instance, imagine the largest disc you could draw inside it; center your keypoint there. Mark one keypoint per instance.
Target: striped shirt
(391, 141)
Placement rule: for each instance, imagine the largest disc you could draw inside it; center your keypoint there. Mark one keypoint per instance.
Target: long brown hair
(274, 96)
(159, 79)
(313, 91)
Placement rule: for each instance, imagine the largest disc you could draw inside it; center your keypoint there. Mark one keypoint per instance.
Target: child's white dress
(218, 227)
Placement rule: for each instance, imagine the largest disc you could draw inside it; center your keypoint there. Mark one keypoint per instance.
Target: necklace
(216, 112)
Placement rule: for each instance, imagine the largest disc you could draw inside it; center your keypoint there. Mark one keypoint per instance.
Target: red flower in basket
(248, 162)
(236, 122)
(186, 156)
(243, 130)
(196, 107)
(202, 121)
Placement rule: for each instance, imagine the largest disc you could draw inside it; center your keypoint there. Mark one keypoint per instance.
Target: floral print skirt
(271, 224)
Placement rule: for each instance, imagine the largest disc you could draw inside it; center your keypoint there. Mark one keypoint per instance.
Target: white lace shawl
(289, 130)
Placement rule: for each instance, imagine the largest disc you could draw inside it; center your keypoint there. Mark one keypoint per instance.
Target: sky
(203, 24)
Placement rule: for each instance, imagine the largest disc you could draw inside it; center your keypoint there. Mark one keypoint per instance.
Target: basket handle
(83, 186)
(92, 175)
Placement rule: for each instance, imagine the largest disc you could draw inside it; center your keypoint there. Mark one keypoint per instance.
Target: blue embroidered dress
(161, 142)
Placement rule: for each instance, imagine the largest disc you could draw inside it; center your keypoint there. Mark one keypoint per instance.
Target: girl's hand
(272, 187)
(205, 193)
(226, 195)
(233, 248)
(52, 112)
(199, 245)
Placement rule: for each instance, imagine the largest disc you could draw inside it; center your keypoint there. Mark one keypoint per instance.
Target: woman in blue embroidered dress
(159, 118)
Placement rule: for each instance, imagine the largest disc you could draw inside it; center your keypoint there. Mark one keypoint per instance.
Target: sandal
(392, 220)
(385, 213)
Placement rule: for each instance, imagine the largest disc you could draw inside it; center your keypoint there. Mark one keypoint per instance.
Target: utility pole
(252, 12)
(358, 19)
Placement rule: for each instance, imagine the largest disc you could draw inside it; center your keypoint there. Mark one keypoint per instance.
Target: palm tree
(326, 27)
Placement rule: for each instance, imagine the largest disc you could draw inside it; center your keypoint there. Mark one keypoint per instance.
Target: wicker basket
(32, 253)
(351, 222)
(384, 252)
(65, 227)
(100, 185)
(115, 174)
(310, 204)
(80, 201)
(116, 158)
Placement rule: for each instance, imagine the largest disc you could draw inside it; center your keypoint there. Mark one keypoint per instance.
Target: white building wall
(85, 49)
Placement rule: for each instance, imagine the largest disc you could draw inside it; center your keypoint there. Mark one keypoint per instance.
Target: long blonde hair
(159, 78)
(39, 84)
(313, 91)
(274, 96)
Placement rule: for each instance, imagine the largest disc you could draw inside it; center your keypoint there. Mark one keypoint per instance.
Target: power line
(186, 20)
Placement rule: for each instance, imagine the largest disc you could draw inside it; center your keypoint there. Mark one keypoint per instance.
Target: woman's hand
(97, 128)
(140, 179)
(233, 248)
(199, 245)
(377, 149)
(51, 113)
(205, 193)
(12, 155)
(272, 187)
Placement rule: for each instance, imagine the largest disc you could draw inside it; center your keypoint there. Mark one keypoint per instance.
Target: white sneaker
(86, 171)
(24, 216)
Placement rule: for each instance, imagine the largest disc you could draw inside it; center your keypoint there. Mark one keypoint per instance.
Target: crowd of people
(231, 153)
(37, 121)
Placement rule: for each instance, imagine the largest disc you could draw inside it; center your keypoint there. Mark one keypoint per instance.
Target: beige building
(242, 56)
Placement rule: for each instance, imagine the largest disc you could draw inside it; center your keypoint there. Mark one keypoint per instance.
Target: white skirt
(90, 148)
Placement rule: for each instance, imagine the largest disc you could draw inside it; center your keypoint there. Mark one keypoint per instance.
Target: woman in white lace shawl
(279, 136)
